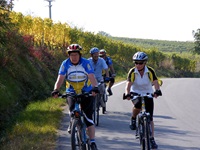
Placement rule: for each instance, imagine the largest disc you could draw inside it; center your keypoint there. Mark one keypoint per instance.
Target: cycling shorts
(149, 105)
(87, 107)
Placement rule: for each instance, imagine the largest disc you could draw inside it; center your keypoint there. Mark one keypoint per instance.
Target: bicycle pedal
(137, 136)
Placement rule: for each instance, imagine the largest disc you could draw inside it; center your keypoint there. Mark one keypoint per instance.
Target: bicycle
(143, 122)
(100, 101)
(79, 137)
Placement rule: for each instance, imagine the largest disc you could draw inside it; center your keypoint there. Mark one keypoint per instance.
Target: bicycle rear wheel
(76, 135)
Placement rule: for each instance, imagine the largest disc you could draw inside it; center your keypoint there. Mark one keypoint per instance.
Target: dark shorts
(87, 107)
(149, 105)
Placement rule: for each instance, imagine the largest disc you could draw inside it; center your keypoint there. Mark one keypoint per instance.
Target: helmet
(140, 56)
(94, 50)
(74, 48)
(102, 52)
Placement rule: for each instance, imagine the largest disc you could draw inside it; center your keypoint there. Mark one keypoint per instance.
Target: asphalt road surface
(176, 118)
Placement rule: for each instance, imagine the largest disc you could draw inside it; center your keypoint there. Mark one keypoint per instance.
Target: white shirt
(142, 84)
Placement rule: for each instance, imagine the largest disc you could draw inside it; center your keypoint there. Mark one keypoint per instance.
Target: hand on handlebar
(157, 93)
(113, 75)
(126, 96)
(55, 93)
(95, 90)
(107, 79)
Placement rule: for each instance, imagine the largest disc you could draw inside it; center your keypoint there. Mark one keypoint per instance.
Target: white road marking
(118, 84)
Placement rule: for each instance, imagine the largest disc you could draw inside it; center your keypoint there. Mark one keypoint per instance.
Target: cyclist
(112, 74)
(139, 81)
(99, 65)
(77, 70)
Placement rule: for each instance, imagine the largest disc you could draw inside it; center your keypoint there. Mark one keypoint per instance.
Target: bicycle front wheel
(146, 135)
(76, 135)
(104, 100)
(94, 110)
(97, 110)
(96, 107)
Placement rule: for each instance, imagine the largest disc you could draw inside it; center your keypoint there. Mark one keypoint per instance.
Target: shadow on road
(113, 133)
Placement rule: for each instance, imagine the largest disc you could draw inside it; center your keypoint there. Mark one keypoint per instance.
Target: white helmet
(140, 56)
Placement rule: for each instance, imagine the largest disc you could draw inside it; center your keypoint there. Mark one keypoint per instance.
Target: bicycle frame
(143, 123)
(79, 138)
(100, 101)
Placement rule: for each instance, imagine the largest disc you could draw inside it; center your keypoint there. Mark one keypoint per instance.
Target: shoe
(133, 124)
(153, 143)
(93, 146)
(109, 91)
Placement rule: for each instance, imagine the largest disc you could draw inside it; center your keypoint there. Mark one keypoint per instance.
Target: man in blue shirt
(99, 66)
(77, 71)
(102, 54)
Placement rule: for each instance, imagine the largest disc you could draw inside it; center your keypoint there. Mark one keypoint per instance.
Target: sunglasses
(139, 63)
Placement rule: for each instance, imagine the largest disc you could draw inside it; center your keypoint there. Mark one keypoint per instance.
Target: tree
(197, 41)
(7, 5)
(5, 24)
(103, 33)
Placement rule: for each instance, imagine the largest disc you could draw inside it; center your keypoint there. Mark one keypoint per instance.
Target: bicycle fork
(84, 131)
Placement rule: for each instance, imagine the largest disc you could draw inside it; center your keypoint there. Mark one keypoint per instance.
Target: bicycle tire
(146, 138)
(76, 135)
(104, 101)
(94, 111)
(88, 145)
(97, 110)
(141, 134)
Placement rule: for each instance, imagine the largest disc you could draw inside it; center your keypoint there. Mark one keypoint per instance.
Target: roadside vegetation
(31, 51)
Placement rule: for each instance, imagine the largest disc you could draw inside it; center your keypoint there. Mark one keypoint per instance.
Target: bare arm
(128, 87)
(107, 73)
(112, 69)
(156, 85)
(93, 80)
(59, 82)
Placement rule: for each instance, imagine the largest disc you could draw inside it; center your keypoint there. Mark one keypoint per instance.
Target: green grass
(36, 127)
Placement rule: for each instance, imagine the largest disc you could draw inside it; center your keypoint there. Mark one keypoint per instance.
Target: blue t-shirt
(108, 61)
(99, 66)
(77, 75)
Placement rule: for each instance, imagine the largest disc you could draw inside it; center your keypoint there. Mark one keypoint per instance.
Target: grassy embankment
(36, 126)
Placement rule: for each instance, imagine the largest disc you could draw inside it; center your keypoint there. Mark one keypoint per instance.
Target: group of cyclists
(84, 75)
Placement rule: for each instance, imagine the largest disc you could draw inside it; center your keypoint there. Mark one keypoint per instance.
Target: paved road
(176, 116)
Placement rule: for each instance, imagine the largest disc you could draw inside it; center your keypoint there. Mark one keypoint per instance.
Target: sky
(172, 20)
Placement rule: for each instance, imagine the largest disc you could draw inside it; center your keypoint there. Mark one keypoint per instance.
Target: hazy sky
(147, 19)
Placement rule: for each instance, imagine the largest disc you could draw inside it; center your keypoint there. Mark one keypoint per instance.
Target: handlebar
(74, 95)
(135, 96)
(101, 82)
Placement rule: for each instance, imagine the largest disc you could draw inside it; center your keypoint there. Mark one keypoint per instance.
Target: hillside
(162, 45)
